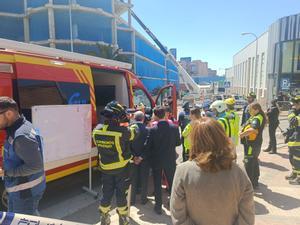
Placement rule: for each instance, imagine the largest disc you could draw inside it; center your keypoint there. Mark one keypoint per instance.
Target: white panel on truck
(65, 129)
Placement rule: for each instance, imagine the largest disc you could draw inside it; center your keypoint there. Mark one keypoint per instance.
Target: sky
(210, 30)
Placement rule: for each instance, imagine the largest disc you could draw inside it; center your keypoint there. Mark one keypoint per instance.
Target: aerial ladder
(185, 78)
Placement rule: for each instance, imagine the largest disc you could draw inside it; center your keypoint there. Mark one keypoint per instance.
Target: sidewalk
(276, 201)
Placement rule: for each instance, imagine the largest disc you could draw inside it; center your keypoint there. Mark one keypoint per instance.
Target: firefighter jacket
(256, 122)
(20, 181)
(113, 143)
(294, 130)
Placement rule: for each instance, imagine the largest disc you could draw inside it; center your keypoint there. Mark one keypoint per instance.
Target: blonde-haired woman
(211, 188)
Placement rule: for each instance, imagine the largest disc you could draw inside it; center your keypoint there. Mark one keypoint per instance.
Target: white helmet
(219, 105)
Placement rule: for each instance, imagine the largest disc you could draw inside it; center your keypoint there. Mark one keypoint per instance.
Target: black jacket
(138, 145)
(161, 143)
(246, 114)
(273, 114)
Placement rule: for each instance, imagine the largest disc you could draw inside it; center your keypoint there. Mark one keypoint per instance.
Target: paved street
(276, 202)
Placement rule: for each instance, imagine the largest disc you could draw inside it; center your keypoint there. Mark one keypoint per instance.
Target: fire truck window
(37, 92)
(139, 96)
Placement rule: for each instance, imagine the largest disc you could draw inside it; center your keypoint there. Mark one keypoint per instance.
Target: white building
(276, 66)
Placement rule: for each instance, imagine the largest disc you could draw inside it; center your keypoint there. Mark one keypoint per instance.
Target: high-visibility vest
(185, 134)
(226, 125)
(252, 137)
(234, 121)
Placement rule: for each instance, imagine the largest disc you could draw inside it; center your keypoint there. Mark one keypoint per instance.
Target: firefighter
(195, 115)
(112, 141)
(251, 137)
(293, 139)
(234, 120)
(219, 108)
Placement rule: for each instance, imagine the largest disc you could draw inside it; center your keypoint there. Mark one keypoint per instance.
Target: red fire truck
(35, 75)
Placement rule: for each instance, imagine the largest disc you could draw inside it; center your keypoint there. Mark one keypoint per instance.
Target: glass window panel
(287, 57)
(297, 57)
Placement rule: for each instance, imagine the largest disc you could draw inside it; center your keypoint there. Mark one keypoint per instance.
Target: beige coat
(201, 198)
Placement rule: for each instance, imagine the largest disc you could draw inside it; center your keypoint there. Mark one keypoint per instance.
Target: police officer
(183, 121)
(112, 141)
(24, 176)
(246, 115)
(234, 120)
(293, 138)
(273, 114)
(252, 139)
(195, 115)
(219, 108)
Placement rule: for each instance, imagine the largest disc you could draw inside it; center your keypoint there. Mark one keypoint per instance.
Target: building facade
(274, 68)
(93, 27)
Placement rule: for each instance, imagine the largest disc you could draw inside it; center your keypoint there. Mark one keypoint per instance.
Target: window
(139, 96)
(297, 57)
(37, 92)
(287, 57)
(262, 73)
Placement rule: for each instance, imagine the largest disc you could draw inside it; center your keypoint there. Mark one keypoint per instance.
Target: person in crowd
(273, 115)
(183, 121)
(210, 188)
(161, 142)
(219, 108)
(23, 166)
(293, 140)
(194, 115)
(234, 120)
(140, 167)
(252, 138)
(112, 141)
(246, 114)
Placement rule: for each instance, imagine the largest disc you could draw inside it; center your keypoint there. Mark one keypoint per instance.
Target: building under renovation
(94, 27)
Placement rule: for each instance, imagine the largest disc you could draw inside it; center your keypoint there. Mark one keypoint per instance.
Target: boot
(105, 219)
(124, 220)
(292, 176)
(267, 149)
(295, 181)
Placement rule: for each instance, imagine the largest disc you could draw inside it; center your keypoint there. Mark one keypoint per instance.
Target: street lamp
(255, 70)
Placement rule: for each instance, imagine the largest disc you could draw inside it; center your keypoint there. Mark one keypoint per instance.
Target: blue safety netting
(172, 75)
(39, 26)
(84, 49)
(11, 6)
(106, 5)
(11, 28)
(147, 50)
(36, 3)
(145, 68)
(61, 2)
(153, 84)
(124, 40)
(171, 66)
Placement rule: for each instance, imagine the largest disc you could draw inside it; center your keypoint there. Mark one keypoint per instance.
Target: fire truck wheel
(4, 199)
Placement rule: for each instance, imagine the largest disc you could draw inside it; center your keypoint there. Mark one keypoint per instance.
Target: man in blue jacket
(23, 169)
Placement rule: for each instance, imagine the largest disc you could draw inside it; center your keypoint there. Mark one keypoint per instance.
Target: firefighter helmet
(218, 105)
(114, 110)
(230, 101)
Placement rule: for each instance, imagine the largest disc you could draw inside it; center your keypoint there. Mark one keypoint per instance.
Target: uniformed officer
(112, 141)
(195, 115)
(293, 138)
(219, 108)
(246, 114)
(183, 121)
(24, 176)
(234, 120)
(252, 139)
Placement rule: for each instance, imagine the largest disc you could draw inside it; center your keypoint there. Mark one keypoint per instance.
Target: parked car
(240, 102)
